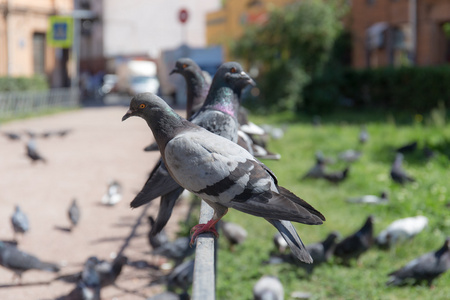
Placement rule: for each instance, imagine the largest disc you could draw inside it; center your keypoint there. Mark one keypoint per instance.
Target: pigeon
(234, 233)
(222, 173)
(321, 252)
(63, 132)
(279, 242)
(408, 148)
(336, 177)
(371, 199)
(19, 221)
(181, 276)
(427, 267)
(113, 195)
(196, 84)
(109, 271)
(176, 250)
(218, 115)
(74, 214)
(158, 239)
(356, 244)
(19, 261)
(12, 136)
(268, 287)
(350, 155)
(33, 153)
(318, 170)
(89, 283)
(363, 135)
(398, 174)
(400, 230)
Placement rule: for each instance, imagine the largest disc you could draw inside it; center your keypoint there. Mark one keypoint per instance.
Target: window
(39, 53)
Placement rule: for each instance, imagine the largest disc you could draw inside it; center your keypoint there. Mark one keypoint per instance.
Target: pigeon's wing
(159, 183)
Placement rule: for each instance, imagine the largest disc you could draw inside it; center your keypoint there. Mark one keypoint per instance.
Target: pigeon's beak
(173, 71)
(248, 78)
(129, 113)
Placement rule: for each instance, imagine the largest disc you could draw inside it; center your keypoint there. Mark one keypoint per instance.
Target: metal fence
(20, 103)
(204, 281)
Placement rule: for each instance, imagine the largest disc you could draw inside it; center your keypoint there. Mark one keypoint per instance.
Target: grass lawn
(365, 279)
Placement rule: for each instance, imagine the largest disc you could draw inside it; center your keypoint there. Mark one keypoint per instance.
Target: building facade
(400, 32)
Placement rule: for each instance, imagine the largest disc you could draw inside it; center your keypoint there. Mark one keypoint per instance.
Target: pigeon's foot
(201, 228)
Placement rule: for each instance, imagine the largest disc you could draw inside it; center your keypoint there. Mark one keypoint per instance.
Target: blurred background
(327, 71)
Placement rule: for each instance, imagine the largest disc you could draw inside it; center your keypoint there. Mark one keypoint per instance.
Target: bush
(35, 83)
(415, 89)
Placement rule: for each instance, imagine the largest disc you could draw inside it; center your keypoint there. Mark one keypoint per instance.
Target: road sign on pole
(183, 15)
(60, 31)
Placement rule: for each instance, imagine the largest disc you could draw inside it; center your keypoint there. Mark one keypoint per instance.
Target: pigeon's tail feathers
(165, 210)
(289, 233)
(51, 267)
(318, 217)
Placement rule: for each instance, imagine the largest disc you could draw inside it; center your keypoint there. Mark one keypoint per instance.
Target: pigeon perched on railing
(20, 261)
(355, 244)
(73, 214)
(424, 268)
(400, 230)
(218, 115)
(19, 221)
(398, 174)
(268, 287)
(222, 173)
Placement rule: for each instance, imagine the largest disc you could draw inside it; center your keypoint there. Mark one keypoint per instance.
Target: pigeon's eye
(184, 66)
(233, 70)
(142, 106)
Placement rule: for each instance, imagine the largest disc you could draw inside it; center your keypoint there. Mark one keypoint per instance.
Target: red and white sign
(183, 15)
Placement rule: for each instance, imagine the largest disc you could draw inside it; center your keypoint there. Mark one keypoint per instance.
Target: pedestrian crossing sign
(60, 31)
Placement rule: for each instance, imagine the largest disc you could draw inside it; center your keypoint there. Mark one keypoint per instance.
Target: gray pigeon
(12, 136)
(221, 172)
(350, 155)
(268, 288)
(318, 170)
(19, 261)
(176, 250)
(19, 221)
(218, 115)
(158, 239)
(33, 153)
(321, 252)
(370, 199)
(181, 276)
(338, 176)
(424, 268)
(355, 244)
(113, 194)
(74, 214)
(109, 271)
(234, 233)
(398, 174)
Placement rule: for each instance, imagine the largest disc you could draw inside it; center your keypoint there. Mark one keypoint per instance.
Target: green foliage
(35, 83)
(292, 46)
(415, 89)
(238, 271)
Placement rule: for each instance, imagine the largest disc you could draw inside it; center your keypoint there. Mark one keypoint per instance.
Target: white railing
(19, 103)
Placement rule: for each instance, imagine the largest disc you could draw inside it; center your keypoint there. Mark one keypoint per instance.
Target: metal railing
(20, 103)
(204, 282)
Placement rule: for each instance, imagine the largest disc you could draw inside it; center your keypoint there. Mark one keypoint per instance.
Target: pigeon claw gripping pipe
(222, 173)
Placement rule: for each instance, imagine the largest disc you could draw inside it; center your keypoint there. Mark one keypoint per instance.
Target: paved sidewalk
(98, 149)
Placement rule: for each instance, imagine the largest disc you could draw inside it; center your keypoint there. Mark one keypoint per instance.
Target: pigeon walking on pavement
(113, 194)
(355, 244)
(218, 115)
(222, 173)
(427, 267)
(20, 261)
(398, 174)
(19, 221)
(33, 153)
(73, 214)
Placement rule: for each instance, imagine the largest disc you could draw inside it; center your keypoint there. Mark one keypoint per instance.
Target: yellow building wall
(24, 18)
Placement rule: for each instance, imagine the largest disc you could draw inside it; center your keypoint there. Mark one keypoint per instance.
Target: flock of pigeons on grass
(214, 153)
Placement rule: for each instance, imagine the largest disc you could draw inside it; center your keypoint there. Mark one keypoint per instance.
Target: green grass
(239, 270)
